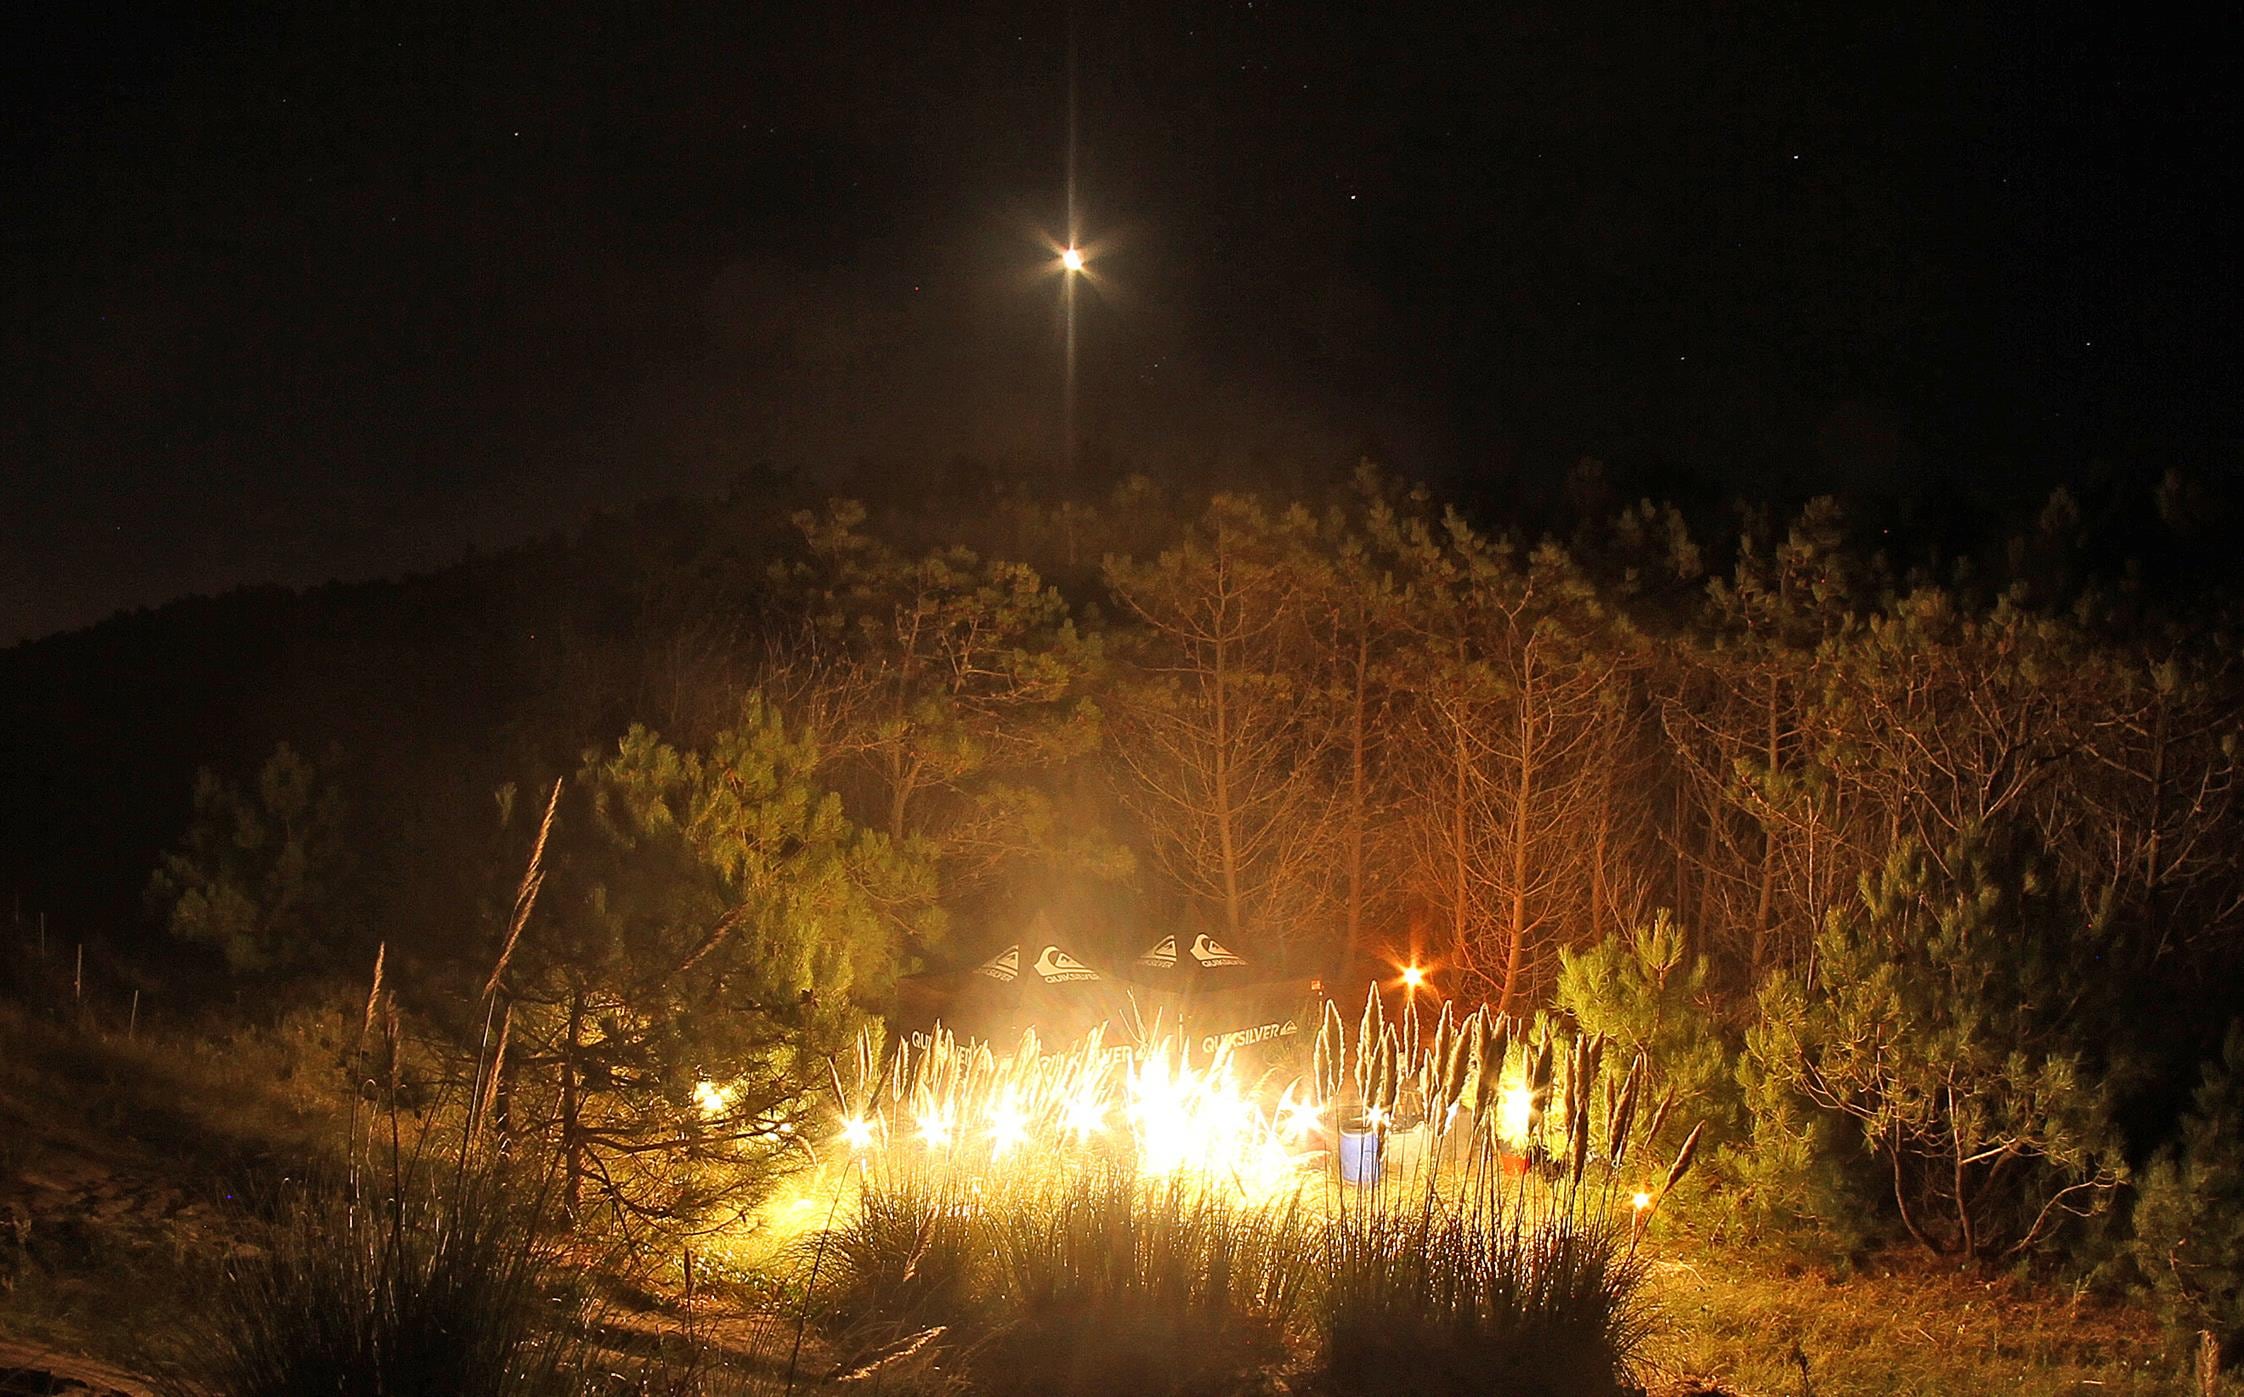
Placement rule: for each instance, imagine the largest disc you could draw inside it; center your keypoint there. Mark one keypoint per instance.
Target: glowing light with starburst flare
(1008, 1127)
(934, 1129)
(1086, 1115)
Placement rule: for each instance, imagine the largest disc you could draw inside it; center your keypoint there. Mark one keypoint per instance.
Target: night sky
(334, 290)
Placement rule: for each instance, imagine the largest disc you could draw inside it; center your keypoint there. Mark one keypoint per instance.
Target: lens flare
(1086, 1115)
(1008, 1127)
(713, 1100)
(1514, 1112)
(934, 1129)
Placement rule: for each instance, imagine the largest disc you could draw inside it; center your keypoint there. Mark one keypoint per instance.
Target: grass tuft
(420, 1286)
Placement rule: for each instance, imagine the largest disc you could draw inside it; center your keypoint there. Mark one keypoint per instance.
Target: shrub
(1119, 1287)
(251, 878)
(1647, 994)
(1449, 1299)
(908, 1258)
(2189, 1215)
(1950, 1021)
(361, 1290)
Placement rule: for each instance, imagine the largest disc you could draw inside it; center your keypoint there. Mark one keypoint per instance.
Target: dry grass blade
(1683, 1157)
(374, 994)
(525, 896)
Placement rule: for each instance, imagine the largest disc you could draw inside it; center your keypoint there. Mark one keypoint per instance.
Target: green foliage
(1647, 993)
(2189, 1210)
(252, 875)
(1800, 1172)
(1953, 1019)
(713, 918)
(946, 692)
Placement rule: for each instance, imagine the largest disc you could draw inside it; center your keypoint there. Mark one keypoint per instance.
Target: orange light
(1413, 977)
(1072, 259)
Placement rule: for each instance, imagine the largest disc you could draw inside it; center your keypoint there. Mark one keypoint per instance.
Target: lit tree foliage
(1512, 664)
(1949, 1017)
(946, 690)
(1222, 742)
(713, 926)
(1647, 993)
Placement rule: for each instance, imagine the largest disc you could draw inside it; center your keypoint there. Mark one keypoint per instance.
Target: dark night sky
(336, 290)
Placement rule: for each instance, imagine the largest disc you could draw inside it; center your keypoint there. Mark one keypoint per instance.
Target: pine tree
(1956, 1019)
(252, 875)
(713, 931)
(2189, 1212)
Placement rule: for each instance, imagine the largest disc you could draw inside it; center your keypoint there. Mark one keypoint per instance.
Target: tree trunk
(1602, 840)
(1521, 825)
(1459, 897)
(1227, 837)
(1356, 738)
(1766, 907)
(572, 1129)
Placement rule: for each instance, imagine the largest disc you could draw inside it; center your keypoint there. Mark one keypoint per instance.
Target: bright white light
(858, 1132)
(1413, 977)
(1296, 1119)
(1086, 1115)
(713, 1100)
(1008, 1127)
(1641, 1201)
(1072, 259)
(934, 1130)
(1514, 1110)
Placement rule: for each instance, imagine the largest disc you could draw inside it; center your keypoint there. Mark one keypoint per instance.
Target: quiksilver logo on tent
(1003, 966)
(1058, 967)
(1209, 951)
(1163, 954)
(1247, 1037)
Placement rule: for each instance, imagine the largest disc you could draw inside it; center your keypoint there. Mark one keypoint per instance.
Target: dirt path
(27, 1370)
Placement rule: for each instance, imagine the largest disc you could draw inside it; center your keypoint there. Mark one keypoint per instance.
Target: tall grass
(1446, 1299)
(1087, 1284)
(1494, 1264)
(1494, 1248)
(407, 1286)
(907, 1259)
(1126, 1287)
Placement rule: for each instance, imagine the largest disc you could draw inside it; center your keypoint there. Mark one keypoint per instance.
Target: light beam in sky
(1071, 259)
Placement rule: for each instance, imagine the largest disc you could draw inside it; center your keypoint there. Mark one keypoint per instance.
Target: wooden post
(2208, 1363)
